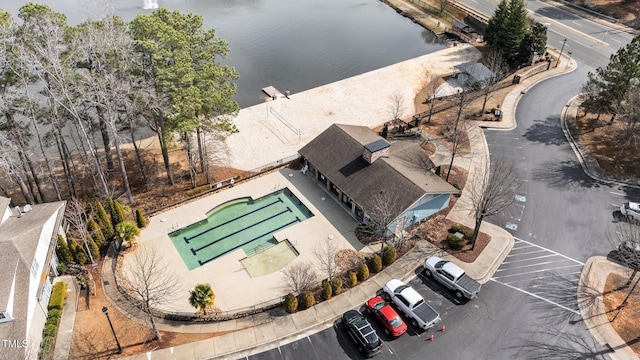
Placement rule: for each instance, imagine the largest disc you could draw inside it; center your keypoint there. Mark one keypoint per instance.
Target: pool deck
(232, 284)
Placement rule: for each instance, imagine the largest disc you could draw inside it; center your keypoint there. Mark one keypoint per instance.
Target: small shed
(471, 72)
(462, 27)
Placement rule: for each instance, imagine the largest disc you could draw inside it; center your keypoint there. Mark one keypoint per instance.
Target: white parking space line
(531, 272)
(536, 264)
(537, 297)
(549, 250)
(576, 24)
(528, 259)
(526, 253)
(617, 193)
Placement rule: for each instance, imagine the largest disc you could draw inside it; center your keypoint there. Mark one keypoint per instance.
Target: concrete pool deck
(231, 282)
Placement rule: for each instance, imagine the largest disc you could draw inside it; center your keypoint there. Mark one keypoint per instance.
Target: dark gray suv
(362, 333)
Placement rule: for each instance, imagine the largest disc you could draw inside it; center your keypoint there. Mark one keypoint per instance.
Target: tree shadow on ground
(565, 346)
(564, 175)
(547, 131)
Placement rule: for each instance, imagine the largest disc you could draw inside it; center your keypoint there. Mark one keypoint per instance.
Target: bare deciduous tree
(493, 191)
(396, 107)
(325, 252)
(75, 214)
(383, 210)
(455, 136)
(151, 281)
(430, 89)
(299, 276)
(496, 64)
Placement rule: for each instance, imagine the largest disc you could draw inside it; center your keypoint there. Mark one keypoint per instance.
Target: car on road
(362, 333)
(387, 316)
(452, 276)
(629, 211)
(409, 301)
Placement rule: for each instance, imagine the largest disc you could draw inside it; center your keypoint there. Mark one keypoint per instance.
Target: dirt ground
(602, 139)
(627, 11)
(92, 338)
(626, 320)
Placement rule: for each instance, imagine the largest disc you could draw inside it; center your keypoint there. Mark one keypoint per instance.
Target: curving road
(528, 310)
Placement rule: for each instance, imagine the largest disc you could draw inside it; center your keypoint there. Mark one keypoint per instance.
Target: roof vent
(5, 317)
(19, 211)
(26, 208)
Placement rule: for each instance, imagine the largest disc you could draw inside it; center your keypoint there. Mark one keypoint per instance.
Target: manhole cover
(106, 282)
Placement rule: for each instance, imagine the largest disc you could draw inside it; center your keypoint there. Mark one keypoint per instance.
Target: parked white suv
(631, 211)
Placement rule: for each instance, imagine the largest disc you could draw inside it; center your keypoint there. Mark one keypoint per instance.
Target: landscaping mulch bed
(626, 321)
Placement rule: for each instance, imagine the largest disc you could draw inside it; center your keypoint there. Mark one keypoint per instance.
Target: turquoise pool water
(240, 223)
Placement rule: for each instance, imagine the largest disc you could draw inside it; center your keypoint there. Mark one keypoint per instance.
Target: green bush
(353, 279)
(58, 293)
(336, 285)
(52, 321)
(54, 313)
(326, 290)
(375, 263)
(455, 242)
(307, 300)
(45, 347)
(62, 268)
(388, 255)
(140, 220)
(290, 303)
(62, 250)
(465, 230)
(50, 330)
(363, 272)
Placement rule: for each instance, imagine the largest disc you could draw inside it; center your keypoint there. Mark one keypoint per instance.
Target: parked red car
(388, 317)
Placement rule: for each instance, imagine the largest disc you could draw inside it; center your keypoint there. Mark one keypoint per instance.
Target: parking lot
(335, 343)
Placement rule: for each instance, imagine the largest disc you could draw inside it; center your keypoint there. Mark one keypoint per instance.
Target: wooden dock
(272, 92)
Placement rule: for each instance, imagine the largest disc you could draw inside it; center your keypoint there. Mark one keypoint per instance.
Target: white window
(46, 291)
(34, 268)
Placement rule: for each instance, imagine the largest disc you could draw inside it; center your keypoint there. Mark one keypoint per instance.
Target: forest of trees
(72, 96)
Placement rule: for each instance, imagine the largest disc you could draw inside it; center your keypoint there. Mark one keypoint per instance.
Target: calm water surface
(290, 44)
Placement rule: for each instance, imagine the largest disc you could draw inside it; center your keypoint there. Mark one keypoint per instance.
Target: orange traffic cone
(431, 337)
(442, 328)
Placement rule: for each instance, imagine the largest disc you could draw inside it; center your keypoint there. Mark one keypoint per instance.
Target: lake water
(290, 44)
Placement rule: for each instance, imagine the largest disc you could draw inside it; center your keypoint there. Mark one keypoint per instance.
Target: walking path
(65, 328)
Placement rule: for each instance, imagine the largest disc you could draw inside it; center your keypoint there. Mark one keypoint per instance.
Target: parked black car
(361, 331)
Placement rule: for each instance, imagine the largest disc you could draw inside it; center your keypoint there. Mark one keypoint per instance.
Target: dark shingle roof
(337, 153)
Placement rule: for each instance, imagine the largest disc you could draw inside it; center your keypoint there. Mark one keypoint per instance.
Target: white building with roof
(28, 239)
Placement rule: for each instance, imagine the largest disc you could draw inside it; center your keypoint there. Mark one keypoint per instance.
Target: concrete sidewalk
(592, 280)
(65, 328)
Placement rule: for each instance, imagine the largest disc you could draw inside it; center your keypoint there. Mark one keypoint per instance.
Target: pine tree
(96, 233)
(81, 256)
(117, 212)
(518, 26)
(496, 27)
(616, 79)
(140, 220)
(63, 251)
(507, 27)
(104, 221)
(95, 251)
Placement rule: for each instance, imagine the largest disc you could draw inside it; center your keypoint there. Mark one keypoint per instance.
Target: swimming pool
(240, 223)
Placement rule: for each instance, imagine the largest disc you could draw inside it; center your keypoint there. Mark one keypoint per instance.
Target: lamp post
(105, 310)
(561, 49)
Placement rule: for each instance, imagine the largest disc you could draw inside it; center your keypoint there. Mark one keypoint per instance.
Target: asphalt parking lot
(335, 343)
